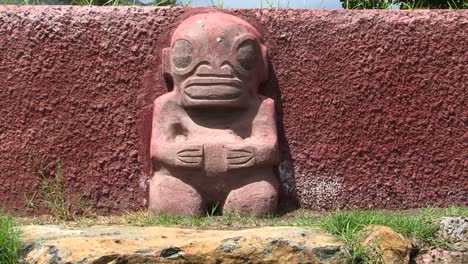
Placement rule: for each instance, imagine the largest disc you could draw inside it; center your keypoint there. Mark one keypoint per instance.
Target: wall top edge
(230, 10)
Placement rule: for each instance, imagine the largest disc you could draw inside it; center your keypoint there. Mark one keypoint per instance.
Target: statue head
(215, 59)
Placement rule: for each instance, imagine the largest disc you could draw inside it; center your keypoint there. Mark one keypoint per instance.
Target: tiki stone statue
(214, 139)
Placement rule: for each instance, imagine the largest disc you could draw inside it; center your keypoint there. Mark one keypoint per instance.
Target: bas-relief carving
(214, 138)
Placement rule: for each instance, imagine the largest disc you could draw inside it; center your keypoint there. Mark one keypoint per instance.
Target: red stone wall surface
(372, 104)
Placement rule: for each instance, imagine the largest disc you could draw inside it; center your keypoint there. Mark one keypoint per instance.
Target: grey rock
(172, 253)
(454, 228)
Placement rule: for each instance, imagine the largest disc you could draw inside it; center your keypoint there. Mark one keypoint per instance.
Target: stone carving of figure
(214, 138)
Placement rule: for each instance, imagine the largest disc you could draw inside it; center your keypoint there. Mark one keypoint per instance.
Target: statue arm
(264, 137)
(165, 127)
(261, 149)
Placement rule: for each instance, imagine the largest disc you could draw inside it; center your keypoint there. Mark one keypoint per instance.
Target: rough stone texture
(371, 104)
(383, 245)
(440, 256)
(118, 244)
(455, 229)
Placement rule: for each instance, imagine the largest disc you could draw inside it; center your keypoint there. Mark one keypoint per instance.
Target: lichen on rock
(383, 245)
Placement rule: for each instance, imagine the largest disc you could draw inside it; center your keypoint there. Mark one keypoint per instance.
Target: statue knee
(258, 198)
(173, 196)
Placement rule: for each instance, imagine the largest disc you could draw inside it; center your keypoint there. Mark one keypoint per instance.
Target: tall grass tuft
(9, 240)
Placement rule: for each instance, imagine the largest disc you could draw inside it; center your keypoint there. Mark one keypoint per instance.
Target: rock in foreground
(454, 229)
(123, 244)
(383, 245)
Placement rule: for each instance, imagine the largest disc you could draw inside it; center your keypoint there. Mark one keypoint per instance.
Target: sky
(315, 4)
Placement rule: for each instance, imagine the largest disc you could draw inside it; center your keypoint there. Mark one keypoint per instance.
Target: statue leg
(257, 197)
(171, 195)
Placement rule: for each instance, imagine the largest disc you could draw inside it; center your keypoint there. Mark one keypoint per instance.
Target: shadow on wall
(285, 171)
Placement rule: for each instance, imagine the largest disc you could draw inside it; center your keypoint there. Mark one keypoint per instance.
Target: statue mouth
(213, 88)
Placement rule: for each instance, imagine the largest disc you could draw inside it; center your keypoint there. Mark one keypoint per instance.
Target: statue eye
(182, 53)
(247, 54)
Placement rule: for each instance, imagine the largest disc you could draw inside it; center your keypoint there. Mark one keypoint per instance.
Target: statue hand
(190, 156)
(239, 157)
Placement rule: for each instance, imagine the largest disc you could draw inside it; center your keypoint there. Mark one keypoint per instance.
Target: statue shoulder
(166, 102)
(266, 104)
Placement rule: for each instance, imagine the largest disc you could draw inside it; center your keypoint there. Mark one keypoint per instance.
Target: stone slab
(125, 244)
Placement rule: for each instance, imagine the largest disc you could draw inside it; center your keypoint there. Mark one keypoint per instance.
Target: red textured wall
(372, 104)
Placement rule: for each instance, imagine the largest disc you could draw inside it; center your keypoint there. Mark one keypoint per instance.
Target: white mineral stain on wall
(318, 191)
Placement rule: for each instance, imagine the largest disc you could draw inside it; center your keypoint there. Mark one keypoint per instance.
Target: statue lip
(213, 88)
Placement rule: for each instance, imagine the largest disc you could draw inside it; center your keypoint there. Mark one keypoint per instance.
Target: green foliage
(366, 4)
(52, 194)
(142, 219)
(404, 4)
(432, 4)
(432, 214)
(217, 3)
(184, 2)
(209, 221)
(32, 2)
(275, 4)
(49, 191)
(50, 187)
(165, 3)
(415, 224)
(9, 240)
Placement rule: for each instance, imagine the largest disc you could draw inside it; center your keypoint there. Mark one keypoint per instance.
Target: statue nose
(226, 69)
(208, 70)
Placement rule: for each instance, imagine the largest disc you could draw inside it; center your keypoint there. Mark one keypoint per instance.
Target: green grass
(432, 213)
(417, 224)
(208, 221)
(217, 3)
(275, 4)
(9, 240)
(53, 196)
(345, 225)
(300, 218)
(50, 187)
